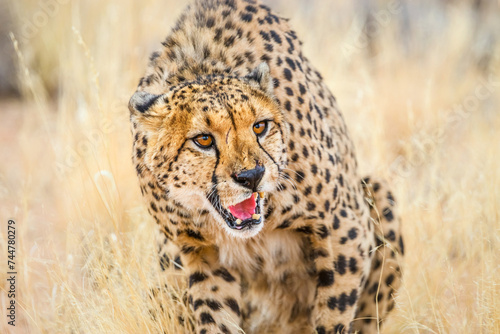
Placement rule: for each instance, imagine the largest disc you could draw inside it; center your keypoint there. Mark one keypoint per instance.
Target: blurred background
(418, 83)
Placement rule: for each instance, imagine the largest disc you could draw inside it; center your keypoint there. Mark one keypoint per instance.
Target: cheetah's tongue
(245, 209)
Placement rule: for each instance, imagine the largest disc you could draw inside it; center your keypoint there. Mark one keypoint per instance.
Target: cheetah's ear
(261, 78)
(141, 102)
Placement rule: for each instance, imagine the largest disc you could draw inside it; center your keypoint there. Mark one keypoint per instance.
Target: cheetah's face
(216, 144)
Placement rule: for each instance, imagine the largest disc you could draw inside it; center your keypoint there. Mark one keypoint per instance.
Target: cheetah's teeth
(261, 194)
(238, 221)
(255, 216)
(255, 195)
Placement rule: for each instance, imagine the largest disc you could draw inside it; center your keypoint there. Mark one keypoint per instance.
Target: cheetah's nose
(250, 178)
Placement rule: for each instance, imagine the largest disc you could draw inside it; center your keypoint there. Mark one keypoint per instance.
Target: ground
(421, 112)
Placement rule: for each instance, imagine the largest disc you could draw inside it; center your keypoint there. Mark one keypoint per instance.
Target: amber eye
(259, 128)
(204, 141)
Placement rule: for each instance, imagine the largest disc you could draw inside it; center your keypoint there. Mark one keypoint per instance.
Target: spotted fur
(325, 238)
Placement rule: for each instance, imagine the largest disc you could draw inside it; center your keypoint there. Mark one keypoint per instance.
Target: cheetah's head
(214, 144)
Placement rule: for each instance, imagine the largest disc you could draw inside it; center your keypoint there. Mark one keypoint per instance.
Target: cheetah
(247, 167)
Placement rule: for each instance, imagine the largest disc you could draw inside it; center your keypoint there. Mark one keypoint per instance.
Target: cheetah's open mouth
(241, 215)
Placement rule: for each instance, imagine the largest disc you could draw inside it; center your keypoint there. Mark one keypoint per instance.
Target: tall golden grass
(421, 100)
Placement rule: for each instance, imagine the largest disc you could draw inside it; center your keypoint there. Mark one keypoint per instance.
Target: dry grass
(84, 247)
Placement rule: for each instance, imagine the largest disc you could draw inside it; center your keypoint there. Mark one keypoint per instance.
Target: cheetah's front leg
(214, 293)
(339, 265)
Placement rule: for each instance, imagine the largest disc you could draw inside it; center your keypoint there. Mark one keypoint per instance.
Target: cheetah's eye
(260, 128)
(204, 141)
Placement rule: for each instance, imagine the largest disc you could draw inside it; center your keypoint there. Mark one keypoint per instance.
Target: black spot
(265, 36)
(246, 17)
(154, 55)
(389, 279)
(291, 63)
(195, 234)
(305, 152)
(340, 264)
(320, 330)
(401, 245)
(387, 212)
(279, 61)
(233, 305)
(353, 233)
(343, 302)
(164, 262)
(391, 235)
(341, 180)
(343, 240)
(302, 89)
(304, 229)
(299, 114)
(288, 74)
(332, 303)
(325, 278)
(197, 277)
(299, 177)
(323, 231)
(276, 37)
(206, 318)
(343, 213)
(153, 207)
(353, 265)
(376, 186)
(224, 329)
(336, 222)
(285, 224)
(276, 82)
(318, 187)
(289, 91)
(251, 9)
(177, 263)
(327, 205)
(187, 249)
(288, 105)
(311, 206)
(307, 191)
(210, 22)
(197, 303)
(373, 289)
(213, 304)
(228, 41)
(226, 276)
(218, 34)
